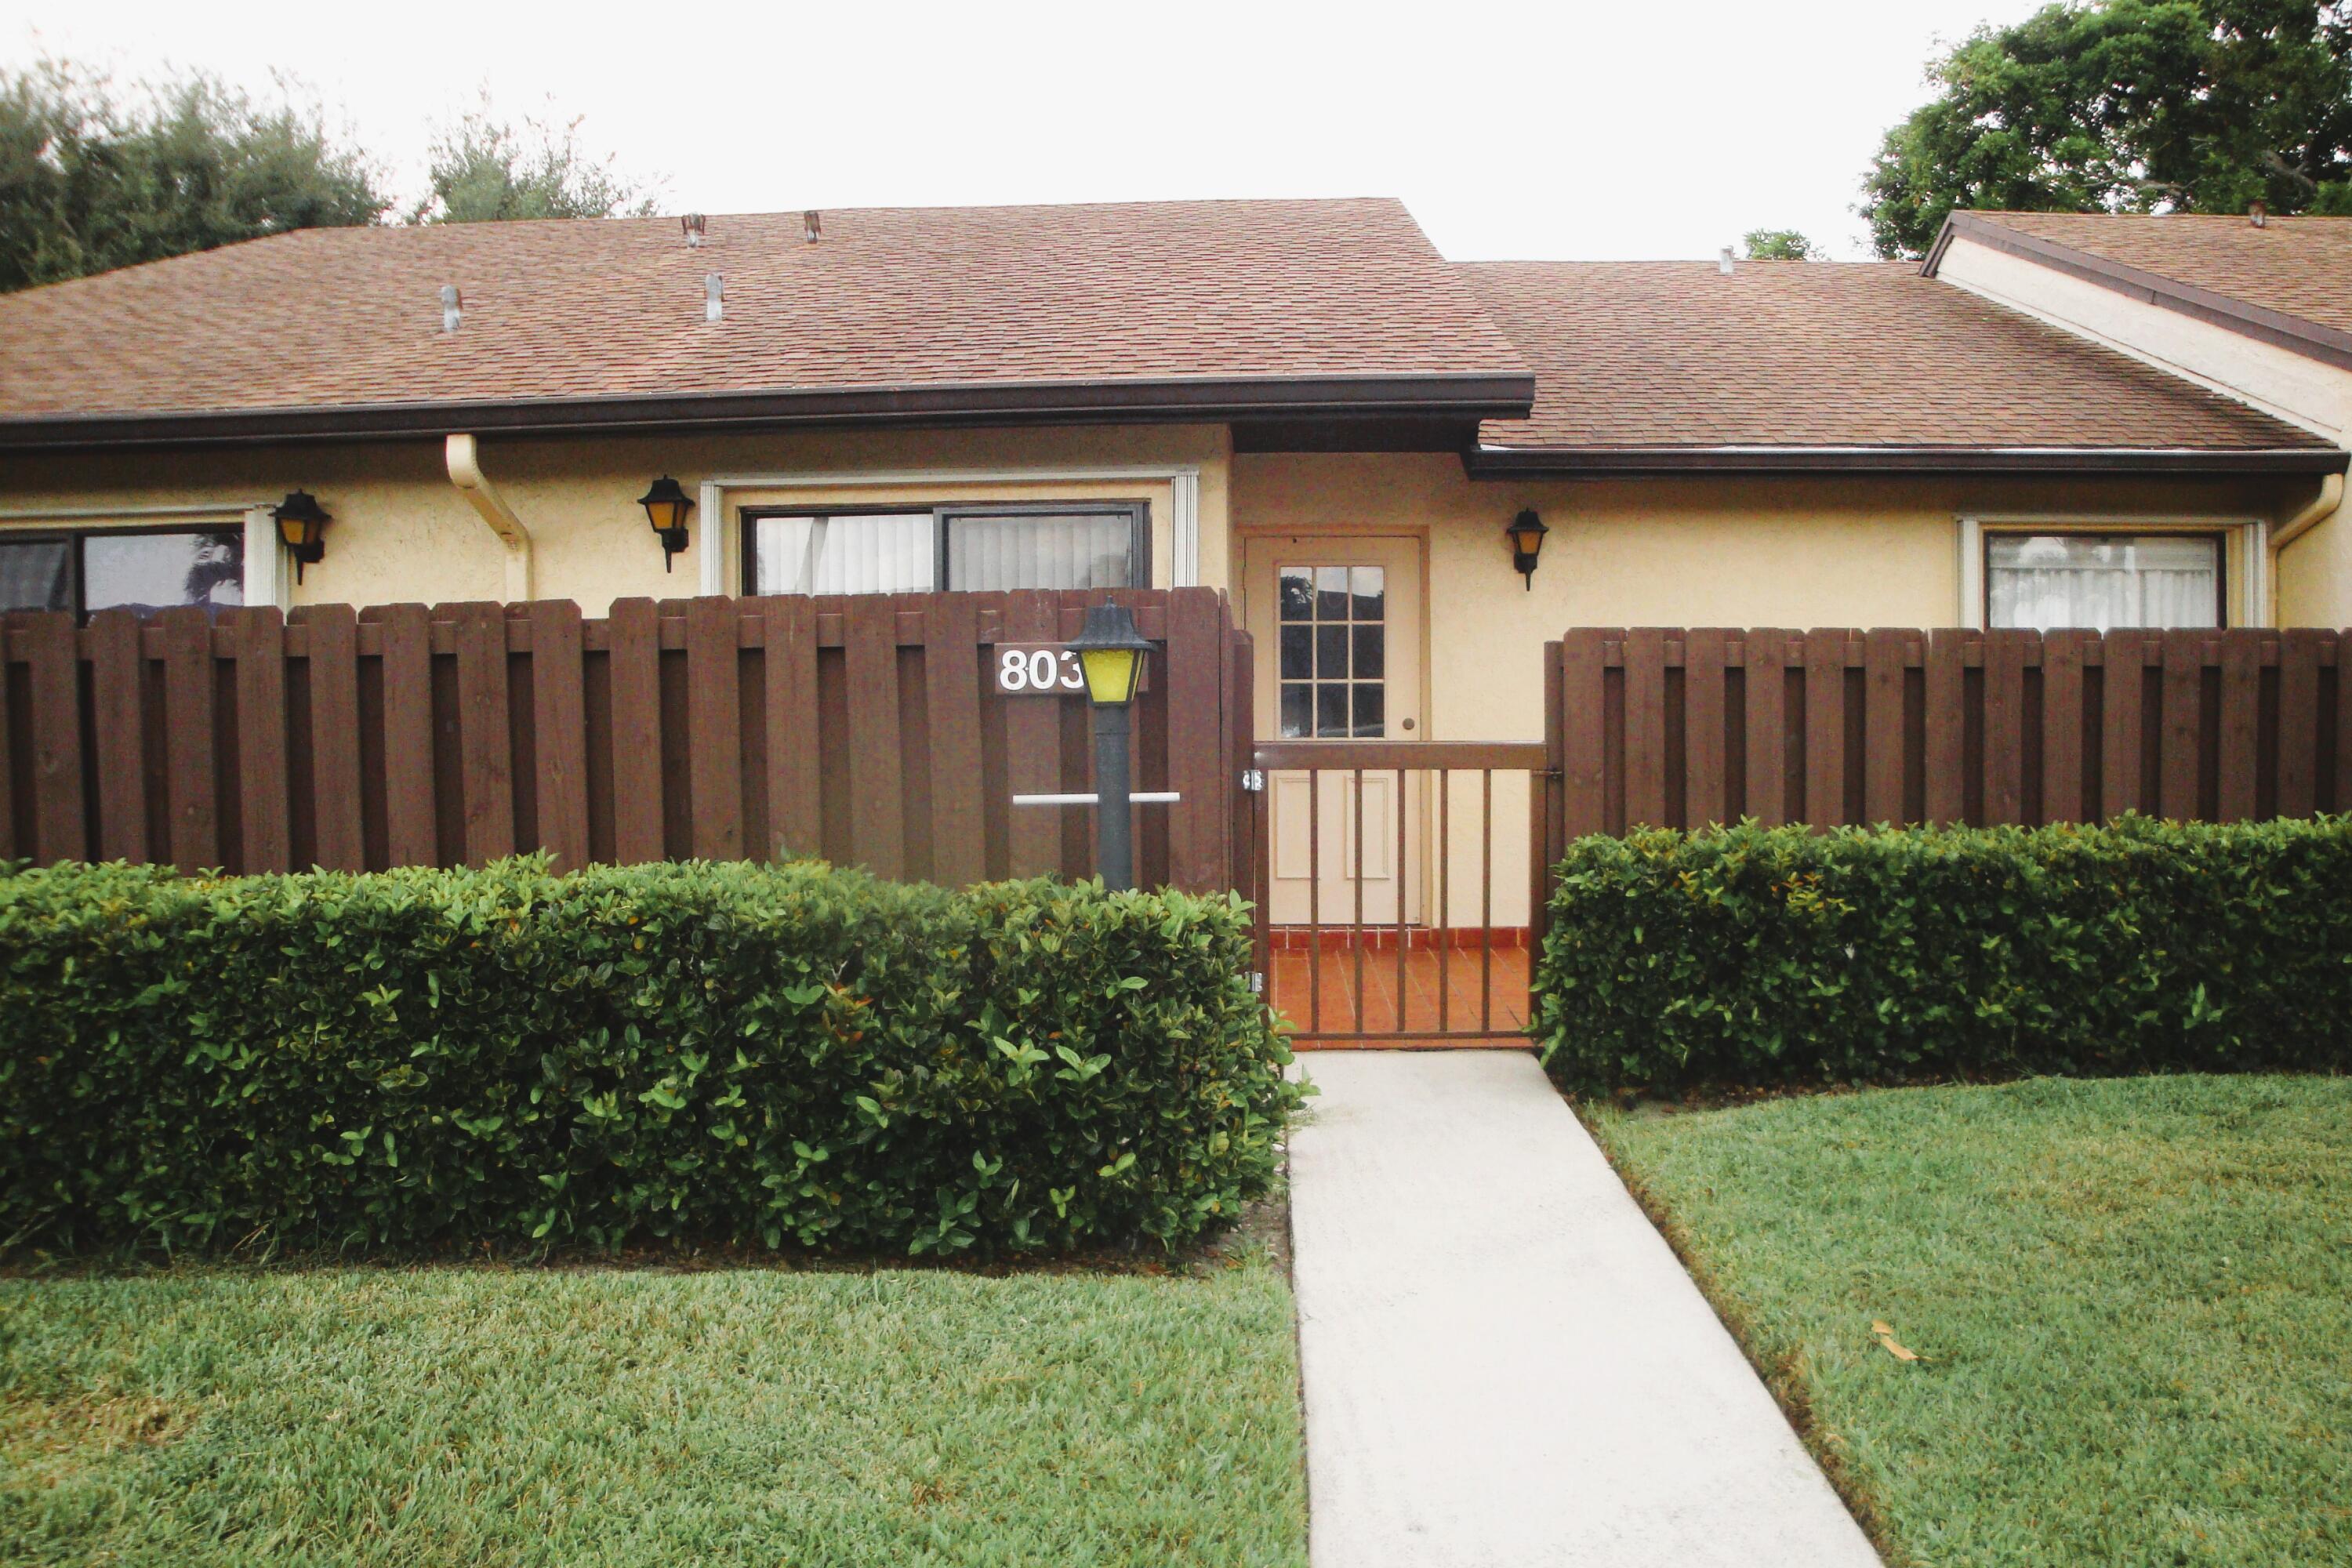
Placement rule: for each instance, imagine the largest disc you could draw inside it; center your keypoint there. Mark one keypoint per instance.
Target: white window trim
(267, 580)
(2246, 563)
(719, 557)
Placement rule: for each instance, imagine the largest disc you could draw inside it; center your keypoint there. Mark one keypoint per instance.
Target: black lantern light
(1526, 536)
(302, 525)
(1112, 654)
(666, 505)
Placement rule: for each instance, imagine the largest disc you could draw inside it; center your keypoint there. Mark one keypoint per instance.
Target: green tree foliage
(1779, 244)
(92, 179)
(2127, 106)
(486, 168)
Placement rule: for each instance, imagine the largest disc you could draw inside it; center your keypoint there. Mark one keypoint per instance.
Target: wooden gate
(1433, 969)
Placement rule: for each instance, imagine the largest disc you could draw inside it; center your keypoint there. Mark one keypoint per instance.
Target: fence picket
(2123, 680)
(58, 828)
(559, 726)
(265, 838)
(635, 654)
(1707, 782)
(411, 812)
(332, 635)
(1945, 760)
(714, 728)
(2183, 700)
(1766, 719)
(118, 690)
(796, 820)
(2298, 719)
(2241, 700)
(1583, 746)
(188, 748)
(1884, 651)
(1645, 727)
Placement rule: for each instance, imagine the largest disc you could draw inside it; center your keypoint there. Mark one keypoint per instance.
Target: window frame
(78, 572)
(2239, 593)
(944, 515)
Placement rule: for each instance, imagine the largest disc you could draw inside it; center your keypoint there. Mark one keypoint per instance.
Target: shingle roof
(2299, 266)
(887, 297)
(1797, 353)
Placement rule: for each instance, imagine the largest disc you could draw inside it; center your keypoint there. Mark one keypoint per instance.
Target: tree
(1779, 245)
(89, 181)
(485, 169)
(2127, 106)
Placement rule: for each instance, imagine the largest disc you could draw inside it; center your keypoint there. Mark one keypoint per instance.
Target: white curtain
(2048, 581)
(1080, 551)
(874, 553)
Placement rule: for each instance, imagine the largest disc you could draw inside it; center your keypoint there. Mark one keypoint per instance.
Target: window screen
(2046, 581)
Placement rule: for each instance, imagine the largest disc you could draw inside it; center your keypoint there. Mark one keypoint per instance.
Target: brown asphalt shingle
(887, 297)
(1673, 353)
(2298, 266)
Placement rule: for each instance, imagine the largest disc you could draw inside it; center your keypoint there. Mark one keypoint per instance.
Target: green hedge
(732, 1054)
(1757, 956)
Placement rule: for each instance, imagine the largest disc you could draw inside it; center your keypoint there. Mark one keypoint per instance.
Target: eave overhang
(1614, 462)
(1471, 397)
(2326, 344)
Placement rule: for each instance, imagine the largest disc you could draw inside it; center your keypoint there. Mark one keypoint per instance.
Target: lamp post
(1111, 653)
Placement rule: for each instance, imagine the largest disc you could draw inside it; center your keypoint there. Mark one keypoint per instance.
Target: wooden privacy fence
(864, 728)
(1680, 727)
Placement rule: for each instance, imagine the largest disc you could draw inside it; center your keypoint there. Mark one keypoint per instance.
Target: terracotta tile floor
(1415, 1010)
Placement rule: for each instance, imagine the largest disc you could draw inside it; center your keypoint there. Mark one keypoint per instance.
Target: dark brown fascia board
(1618, 462)
(2326, 344)
(1206, 400)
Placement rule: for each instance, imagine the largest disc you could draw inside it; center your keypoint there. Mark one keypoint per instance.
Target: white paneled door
(1337, 621)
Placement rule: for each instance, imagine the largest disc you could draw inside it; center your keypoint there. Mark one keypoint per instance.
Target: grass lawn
(485, 1415)
(2131, 1299)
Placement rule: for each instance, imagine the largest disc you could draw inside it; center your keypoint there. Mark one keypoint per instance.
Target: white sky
(1550, 131)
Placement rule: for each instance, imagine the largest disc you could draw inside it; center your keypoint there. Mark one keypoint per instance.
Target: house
(2080, 420)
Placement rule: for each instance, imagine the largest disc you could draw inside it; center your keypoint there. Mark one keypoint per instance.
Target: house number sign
(1042, 669)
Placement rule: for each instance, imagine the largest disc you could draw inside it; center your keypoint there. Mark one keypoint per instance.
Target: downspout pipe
(465, 463)
(2318, 510)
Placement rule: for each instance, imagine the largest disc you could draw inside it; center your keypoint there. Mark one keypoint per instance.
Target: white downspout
(2320, 507)
(465, 472)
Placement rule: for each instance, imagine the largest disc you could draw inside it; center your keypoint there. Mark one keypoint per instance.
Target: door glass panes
(1333, 631)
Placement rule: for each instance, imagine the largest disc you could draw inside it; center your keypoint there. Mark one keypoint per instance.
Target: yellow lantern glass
(1111, 674)
(1110, 654)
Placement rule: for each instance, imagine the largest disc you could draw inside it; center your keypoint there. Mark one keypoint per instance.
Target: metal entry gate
(1377, 910)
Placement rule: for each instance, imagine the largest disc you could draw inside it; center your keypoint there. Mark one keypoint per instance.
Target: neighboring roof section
(2289, 281)
(1643, 366)
(1147, 310)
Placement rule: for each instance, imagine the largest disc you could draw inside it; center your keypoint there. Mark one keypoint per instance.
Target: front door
(1338, 620)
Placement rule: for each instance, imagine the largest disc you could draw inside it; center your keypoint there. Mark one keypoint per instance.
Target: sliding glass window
(968, 547)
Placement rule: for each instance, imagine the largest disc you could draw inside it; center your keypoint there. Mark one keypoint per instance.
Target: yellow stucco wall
(1792, 551)
(403, 533)
(1733, 553)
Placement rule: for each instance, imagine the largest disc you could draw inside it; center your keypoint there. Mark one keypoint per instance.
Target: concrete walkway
(1504, 1363)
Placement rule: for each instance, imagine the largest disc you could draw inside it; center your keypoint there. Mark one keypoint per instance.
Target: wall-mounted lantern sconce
(666, 507)
(302, 524)
(1526, 536)
(1111, 652)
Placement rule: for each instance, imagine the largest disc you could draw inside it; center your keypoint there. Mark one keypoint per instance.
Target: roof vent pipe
(808, 222)
(692, 225)
(1723, 261)
(2258, 214)
(451, 310)
(714, 297)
